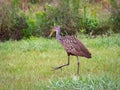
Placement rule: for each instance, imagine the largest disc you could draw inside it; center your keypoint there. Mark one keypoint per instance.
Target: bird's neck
(58, 35)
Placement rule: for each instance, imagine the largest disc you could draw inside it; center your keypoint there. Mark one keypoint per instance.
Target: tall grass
(27, 64)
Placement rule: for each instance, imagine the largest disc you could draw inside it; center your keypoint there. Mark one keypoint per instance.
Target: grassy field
(27, 65)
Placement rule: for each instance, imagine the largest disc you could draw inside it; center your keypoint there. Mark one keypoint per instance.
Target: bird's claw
(56, 68)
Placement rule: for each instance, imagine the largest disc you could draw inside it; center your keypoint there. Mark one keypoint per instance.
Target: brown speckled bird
(72, 46)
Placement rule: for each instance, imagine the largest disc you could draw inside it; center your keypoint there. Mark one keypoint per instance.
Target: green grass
(27, 65)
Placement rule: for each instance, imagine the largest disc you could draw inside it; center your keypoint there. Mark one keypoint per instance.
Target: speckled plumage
(74, 47)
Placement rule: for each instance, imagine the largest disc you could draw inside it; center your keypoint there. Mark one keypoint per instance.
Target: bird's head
(55, 29)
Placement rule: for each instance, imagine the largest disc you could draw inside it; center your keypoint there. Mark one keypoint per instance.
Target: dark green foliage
(72, 15)
(115, 15)
(11, 22)
(95, 26)
(36, 25)
(40, 23)
(66, 15)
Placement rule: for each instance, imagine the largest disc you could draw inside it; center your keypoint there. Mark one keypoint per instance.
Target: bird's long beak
(52, 31)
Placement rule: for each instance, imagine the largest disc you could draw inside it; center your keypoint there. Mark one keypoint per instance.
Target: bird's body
(72, 46)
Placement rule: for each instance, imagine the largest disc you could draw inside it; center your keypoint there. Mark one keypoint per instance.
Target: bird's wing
(74, 46)
(81, 47)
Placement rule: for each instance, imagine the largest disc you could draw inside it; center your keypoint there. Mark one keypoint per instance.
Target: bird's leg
(78, 62)
(64, 64)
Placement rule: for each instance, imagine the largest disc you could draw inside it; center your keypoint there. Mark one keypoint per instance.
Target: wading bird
(72, 46)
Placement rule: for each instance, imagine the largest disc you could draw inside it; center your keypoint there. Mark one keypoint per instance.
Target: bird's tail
(88, 55)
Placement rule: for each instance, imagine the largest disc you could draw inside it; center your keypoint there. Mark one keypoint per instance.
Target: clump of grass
(90, 83)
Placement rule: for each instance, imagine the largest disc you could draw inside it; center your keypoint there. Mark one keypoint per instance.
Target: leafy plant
(11, 22)
(65, 16)
(115, 15)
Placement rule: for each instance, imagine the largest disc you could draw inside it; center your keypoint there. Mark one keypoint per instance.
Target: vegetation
(115, 17)
(35, 18)
(27, 64)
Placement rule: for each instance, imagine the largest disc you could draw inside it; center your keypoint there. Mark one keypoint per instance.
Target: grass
(27, 65)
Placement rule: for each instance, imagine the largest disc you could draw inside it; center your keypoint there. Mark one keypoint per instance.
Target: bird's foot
(56, 68)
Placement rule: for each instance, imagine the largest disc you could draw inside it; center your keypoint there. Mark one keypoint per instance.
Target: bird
(73, 47)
